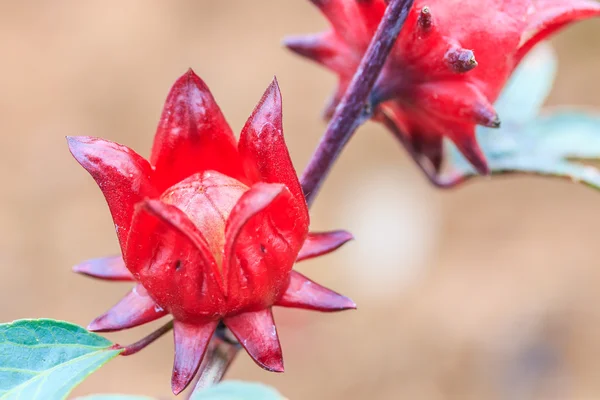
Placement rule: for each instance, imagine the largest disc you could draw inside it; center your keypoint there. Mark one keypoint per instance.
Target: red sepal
(457, 102)
(191, 342)
(323, 48)
(426, 142)
(345, 19)
(264, 154)
(136, 308)
(169, 256)
(192, 135)
(262, 240)
(107, 268)
(552, 15)
(124, 177)
(466, 142)
(319, 243)
(257, 333)
(304, 293)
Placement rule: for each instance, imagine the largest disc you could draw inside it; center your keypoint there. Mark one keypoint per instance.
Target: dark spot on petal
(177, 265)
(263, 249)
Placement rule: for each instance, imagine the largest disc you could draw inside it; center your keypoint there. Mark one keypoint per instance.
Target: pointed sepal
(107, 268)
(262, 147)
(430, 149)
(456, 101)
(191, 342)
(257, 333)
(262, 240)
(320, 243)
(166, 252)
(124, 177)
(192, 135)
(322, 48)
(548, 16)
(348, 20)
(467, 144)
(306, 294)
(425, 147)
(135, 309)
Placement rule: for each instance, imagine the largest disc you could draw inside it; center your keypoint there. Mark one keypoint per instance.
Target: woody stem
(219, 356)
(221, 352)
(354, 108)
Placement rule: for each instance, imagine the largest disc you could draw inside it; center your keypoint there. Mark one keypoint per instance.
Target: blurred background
(486, 292)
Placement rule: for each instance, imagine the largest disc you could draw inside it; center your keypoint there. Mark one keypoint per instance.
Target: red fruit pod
(448, 65)
(209, 231)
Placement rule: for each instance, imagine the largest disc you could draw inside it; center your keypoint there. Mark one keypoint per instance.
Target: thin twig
(141, 344)
(353, 109)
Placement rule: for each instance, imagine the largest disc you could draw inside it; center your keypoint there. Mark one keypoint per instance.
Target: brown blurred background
(487, 292)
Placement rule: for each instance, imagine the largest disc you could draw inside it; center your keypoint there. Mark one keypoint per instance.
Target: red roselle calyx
(449, 64)
(209, 230)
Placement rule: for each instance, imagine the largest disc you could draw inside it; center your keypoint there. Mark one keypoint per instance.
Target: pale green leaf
(45, 359)
(564, 134)
(549, 145)
(233, 390)
(113, 397)
(529, 86)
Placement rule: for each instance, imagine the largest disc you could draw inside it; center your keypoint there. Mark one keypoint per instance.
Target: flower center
(207, 199)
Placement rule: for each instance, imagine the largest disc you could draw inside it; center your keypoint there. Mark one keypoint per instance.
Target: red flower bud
(209, 231)
(449, 64)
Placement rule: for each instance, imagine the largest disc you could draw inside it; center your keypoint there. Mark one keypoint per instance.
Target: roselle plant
(448, 66)
(210, 228)
(227, 225)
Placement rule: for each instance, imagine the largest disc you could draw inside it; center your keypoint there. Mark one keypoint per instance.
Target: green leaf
(113, 397)
(45, 359)
(230, 390)
(548, 145)
(529, 86)
(565, 134)
(233, 390)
